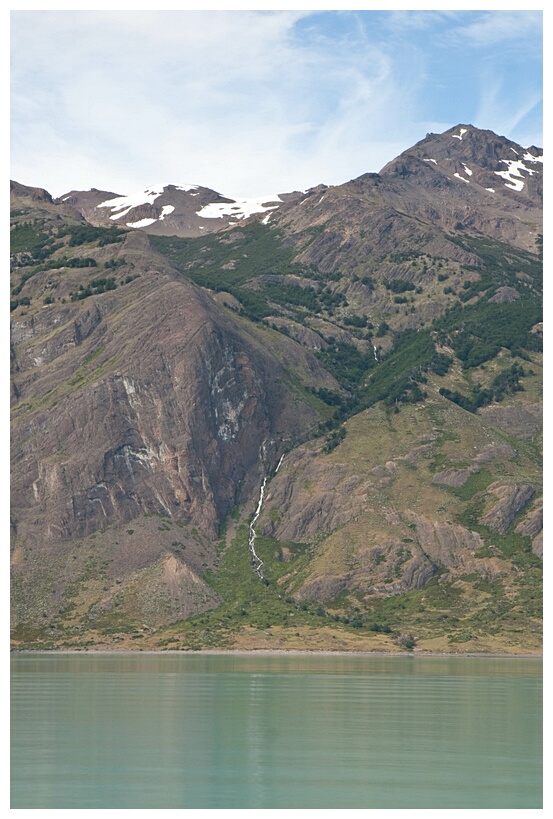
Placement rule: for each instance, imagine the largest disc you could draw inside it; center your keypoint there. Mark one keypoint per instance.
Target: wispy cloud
(497, 103)
(220, 97)
(245, 102)
(493, 28)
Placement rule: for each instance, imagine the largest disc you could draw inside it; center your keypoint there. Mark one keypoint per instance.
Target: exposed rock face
(511, 500)
(522, 420)
(170, 431)
(532, 523)
(397, 567)
(505, 295)
(537, 545)
(19, 192)
(453, 477)
(490, 453)
(303, 514)
(148, 404)
(531, 526)
(451, 546)
(306, 337)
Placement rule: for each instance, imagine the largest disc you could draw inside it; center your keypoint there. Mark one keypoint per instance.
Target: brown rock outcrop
(156, 403)
(511, 500)
(522, 420)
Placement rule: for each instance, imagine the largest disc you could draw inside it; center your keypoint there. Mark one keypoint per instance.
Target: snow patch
(460, 134)
(430, 160)
(141, 223)
(513, 175)
(121, 205)
(491, 190)
(531, 158)
(238, 209)
(166, 210)
(461, 178)
(467, 170)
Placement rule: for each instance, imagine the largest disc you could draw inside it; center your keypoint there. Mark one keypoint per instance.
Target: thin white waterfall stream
(256, 560)
(375, 356)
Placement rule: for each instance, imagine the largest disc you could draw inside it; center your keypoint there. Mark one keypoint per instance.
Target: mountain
(310, 422)
(168, 210)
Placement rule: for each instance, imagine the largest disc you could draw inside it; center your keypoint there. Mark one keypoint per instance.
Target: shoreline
(268, 652)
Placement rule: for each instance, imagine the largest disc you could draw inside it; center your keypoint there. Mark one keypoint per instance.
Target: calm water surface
(168, 731)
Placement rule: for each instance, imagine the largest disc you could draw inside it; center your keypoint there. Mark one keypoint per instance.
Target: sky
(253, 103)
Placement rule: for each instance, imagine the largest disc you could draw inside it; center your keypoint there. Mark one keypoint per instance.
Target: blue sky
(258, 102)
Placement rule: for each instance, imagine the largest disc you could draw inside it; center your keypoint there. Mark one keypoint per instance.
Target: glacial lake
(231, 731)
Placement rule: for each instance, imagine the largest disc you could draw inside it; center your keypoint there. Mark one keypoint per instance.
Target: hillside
(315, 423)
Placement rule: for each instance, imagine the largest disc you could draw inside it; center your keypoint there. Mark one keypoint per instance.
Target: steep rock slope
(140, 398)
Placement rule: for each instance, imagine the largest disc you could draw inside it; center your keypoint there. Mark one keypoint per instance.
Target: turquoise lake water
(196, 731)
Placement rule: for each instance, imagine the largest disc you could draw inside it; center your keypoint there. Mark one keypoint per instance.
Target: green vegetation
(505, 383)
(478, 331)
(246, 601)
(475, 331)
(398, 285)
(79, 261)
(396, 379)
(29, 237)
(231, 262)
(94, 288)
(14, 303)
(357, 321)
(334, 439)
(346, 363)
(87, 234)
(482, 329)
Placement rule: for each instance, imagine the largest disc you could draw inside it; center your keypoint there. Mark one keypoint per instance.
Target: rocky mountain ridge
(378, 341)
(168, 210)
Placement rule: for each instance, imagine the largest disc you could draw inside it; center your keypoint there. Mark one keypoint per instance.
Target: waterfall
(257, 563)
(256, 560)
(375, 356)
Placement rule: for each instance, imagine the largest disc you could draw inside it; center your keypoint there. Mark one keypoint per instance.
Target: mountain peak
(473, 157)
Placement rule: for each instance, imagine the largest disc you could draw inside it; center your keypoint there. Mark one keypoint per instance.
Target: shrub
(398, 285)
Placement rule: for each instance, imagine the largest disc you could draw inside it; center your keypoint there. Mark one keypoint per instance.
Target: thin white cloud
(500, 107)
(244, 102)
(181, 95)
(402, 22)
(493, 28)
